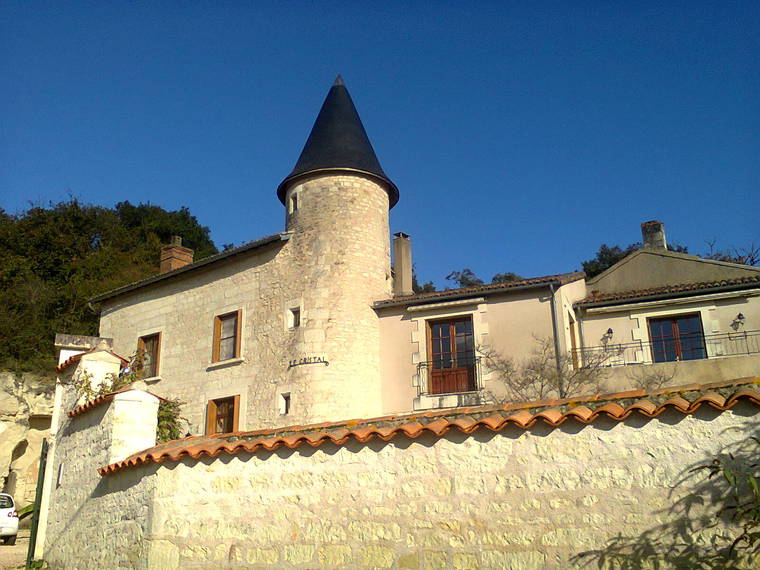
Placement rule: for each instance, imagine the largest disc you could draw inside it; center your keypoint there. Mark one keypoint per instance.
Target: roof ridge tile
(467, 420)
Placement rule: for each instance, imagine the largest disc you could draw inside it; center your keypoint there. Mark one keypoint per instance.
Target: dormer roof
(338, 142)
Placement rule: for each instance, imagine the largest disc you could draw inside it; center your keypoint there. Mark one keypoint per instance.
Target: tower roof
(338, 142)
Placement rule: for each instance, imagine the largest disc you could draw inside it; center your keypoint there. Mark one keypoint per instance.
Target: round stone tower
(337, 200)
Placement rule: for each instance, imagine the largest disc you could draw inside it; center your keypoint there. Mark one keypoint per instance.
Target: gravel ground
(15, 556)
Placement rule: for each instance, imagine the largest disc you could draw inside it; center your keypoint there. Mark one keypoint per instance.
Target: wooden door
(452, 356)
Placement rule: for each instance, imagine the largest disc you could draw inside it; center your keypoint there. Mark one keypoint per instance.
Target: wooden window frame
(211, 408)
(217, 340)
(676, 336)
(157, 360)
(433, 371)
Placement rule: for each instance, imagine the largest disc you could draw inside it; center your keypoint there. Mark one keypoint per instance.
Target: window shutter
(236, 413)
(238, 335)
(217, 339)
(210, 417)
(157, 359)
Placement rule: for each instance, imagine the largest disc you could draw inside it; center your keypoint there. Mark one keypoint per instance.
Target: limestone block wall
(183, 313)
(334, 266)
(341, 255)
(516, 499)
(94, 522)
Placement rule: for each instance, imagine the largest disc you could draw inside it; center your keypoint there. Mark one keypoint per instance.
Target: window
(451, 350)
(222, 415)
(677, 338)
(293, 203)
(285, 404)
(226, 337)
(294, 319)
(148, 352)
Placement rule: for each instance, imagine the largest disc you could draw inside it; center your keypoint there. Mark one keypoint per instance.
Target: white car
(8, 519)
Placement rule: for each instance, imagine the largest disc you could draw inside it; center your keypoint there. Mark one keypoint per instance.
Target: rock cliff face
(26, 406)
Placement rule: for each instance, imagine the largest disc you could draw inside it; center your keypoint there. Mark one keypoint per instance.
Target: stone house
(313, 324)
(277, 346)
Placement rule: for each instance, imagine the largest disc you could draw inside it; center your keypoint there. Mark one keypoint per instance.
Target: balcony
(448, 376)
(687, 347)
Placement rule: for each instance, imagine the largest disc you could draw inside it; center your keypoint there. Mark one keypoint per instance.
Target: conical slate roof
(338, 142)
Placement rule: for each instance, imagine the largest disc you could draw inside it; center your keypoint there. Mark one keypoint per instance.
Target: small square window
(295, 318)
(285, 404)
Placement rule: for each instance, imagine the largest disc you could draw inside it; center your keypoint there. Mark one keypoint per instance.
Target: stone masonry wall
(516, 499)
(94, 522)
(334, 266)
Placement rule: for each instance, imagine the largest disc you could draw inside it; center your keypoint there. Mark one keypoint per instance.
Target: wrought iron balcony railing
(691, 347)
(449, 375)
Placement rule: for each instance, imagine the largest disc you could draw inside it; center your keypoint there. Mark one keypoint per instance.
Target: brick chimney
(402, 265)
(174, 256)
(653, 235)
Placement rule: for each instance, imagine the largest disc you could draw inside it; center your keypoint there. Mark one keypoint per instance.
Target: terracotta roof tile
(90, 404)
(645, 407)
(581, 413)
(619, 406)
(712, 398)
(77, 357)
(597, 298)
(560, 278)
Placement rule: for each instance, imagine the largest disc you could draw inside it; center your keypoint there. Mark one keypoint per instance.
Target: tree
(543, 375)
(746, 255)
(607, 256)
(506, 277)
(464, 278)
(53, 259)
(427, 287)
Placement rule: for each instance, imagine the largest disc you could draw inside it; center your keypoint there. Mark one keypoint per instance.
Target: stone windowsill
(225, 363)
(152, 379)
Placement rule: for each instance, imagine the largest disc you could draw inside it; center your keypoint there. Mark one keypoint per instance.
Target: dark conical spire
(338, 142)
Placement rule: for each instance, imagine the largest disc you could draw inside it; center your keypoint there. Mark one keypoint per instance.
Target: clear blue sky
(521, 135)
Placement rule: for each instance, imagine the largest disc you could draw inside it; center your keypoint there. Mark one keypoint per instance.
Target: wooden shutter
(210, 417)
(157, 355)
(238, 335)
(217, 339)
(236, 413)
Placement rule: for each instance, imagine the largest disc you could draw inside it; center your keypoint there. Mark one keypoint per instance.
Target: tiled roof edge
(493, 417)
(274, 238)
(95, 402)
(77, 357)
(669, 291)
(490, 288)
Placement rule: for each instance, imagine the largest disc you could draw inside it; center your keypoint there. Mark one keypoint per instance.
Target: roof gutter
(464, 295)
(275, 238)
(554, 327)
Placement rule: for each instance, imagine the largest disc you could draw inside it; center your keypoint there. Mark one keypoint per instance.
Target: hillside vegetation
(54, 258)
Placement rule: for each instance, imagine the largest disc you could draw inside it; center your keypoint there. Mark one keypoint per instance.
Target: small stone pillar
(653, 235)
(402, 265)
(134, 422)
(174, 256)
